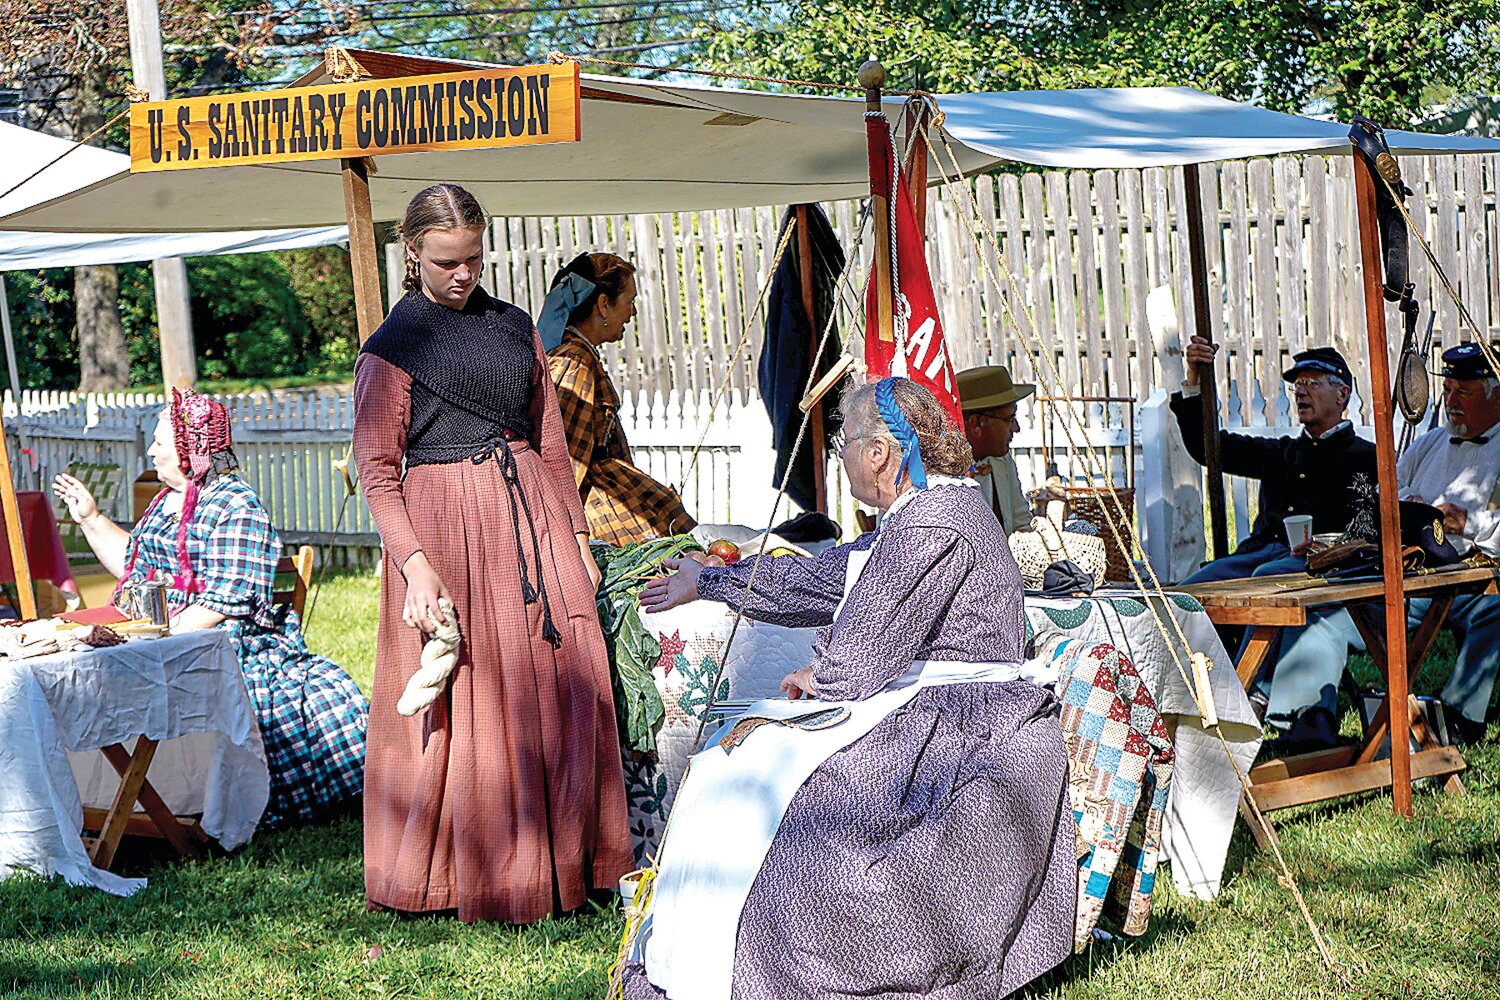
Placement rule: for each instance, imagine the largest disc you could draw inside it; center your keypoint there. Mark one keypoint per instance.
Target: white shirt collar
(1330, 432)
(932, 481)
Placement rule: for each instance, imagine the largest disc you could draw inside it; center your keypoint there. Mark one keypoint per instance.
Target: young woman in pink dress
(505, 799)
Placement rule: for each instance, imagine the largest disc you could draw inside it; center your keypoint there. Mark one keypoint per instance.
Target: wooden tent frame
(872, 79)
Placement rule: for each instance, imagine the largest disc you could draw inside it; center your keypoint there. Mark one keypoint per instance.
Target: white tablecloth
(56, 711)
(1204, 799)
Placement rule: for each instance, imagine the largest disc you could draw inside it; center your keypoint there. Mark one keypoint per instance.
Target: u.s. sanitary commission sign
(518, 106)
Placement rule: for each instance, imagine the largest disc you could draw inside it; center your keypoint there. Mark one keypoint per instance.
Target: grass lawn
(1408, 908)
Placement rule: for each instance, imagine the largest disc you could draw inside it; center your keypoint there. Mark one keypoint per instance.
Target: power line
(496, 36)
(423, 15)
(307, 47)
(644, 47)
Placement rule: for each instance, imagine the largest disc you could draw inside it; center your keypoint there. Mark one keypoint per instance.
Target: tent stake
(1209, 389)
(1385, 458)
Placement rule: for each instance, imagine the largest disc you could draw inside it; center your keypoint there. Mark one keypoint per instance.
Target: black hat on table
(1319, 359)
(1467, 361)
(1422, 526)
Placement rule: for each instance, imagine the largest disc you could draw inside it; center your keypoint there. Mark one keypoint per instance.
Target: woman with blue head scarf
(917, 840)
(591, 303)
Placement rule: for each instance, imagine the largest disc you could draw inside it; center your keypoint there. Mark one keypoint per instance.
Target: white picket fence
(1084, 247)
(288, 442)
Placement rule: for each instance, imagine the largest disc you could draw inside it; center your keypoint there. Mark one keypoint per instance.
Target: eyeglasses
(1312, 382)
(988, 416)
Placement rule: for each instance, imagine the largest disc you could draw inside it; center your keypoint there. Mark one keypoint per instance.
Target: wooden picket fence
(1084, 249)
(288, 442)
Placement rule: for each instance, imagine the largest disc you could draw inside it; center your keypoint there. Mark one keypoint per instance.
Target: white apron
(730, 807)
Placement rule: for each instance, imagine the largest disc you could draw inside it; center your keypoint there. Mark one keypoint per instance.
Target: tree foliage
(255, 316)
(1390, 59)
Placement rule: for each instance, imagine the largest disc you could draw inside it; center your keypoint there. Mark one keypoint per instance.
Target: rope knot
(341, 65)
(557, 56)
(136, 95)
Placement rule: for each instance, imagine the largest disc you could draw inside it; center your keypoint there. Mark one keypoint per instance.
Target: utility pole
(174, 319)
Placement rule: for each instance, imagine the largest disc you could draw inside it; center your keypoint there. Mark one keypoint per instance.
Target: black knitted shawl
(480, 359)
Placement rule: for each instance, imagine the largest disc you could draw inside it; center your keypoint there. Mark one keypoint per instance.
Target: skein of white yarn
(439, 656)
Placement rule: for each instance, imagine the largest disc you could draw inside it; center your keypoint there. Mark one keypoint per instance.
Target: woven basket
(1092, 504)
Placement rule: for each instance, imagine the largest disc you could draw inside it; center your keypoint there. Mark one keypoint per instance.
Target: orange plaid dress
(623, 504)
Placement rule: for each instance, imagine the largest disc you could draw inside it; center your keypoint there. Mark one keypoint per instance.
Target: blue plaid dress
(311, 714)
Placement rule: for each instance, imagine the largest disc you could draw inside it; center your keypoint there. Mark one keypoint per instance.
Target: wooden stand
(15, 538)
(1385, 467)
(185, 835)
(872, 79)
(1267, 604)
(364, 259)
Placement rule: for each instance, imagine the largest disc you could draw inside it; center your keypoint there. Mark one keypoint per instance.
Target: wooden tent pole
(13, 535)
(1208, 387)
(815, 339)
(1397, 681)
(364, 257)
(872, 78)
(918, 118)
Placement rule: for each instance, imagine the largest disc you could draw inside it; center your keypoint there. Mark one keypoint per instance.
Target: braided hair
(436, 207)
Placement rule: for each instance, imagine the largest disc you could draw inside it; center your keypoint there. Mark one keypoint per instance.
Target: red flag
(926, 354)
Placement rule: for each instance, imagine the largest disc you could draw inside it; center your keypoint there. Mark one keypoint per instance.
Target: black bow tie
(1481, 439)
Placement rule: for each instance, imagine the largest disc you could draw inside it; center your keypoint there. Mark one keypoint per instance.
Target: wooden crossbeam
(1341, 781)
(132, 778)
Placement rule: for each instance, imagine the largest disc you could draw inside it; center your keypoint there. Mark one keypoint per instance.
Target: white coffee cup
(1298, 529)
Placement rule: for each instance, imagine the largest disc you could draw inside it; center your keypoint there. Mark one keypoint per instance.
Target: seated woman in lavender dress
(208, 535)
(922, 846)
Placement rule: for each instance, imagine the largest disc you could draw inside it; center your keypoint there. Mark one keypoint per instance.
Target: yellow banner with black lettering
(516, 106)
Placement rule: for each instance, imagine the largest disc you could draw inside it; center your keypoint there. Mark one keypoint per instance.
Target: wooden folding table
(154, 819)
(1268, 604)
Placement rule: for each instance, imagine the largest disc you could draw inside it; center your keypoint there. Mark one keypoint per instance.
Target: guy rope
(1048, 370)
(635, 913)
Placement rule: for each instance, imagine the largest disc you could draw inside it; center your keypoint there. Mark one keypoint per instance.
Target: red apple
(725, 550)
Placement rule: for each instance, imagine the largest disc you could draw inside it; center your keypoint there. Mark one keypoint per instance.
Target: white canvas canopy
(656, 147)
(27, 150)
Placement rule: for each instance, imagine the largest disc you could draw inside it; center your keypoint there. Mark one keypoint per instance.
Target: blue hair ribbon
(565, 296)
(902, 430)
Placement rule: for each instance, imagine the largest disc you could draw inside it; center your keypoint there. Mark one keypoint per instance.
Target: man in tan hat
(989, 398)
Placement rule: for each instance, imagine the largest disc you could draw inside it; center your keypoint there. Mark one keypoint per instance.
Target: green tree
(247, 319)
(1390, 59)
(41, 313)
(324, 287)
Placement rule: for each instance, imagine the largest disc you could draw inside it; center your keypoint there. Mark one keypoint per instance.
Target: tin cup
(154, 601)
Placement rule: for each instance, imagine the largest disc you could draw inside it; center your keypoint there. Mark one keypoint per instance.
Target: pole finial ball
(872, 75)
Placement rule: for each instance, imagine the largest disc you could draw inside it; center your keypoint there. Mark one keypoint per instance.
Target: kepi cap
(1467, 361)
(1320, 359)
(989, 386)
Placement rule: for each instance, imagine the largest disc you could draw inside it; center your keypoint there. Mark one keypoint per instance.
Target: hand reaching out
(80, 502)
(666, 592)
